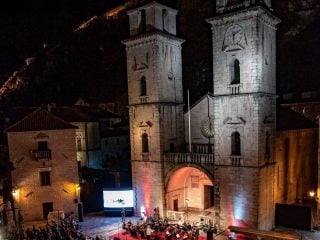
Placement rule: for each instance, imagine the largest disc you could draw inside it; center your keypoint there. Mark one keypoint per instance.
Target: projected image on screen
(118, 199)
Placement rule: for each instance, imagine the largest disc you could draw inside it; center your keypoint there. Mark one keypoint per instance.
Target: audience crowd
(149, 228)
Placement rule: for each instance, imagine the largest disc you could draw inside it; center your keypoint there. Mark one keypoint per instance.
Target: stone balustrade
(196, 158)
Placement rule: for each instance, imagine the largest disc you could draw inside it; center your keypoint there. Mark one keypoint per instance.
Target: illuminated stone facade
(232, 138)
(155, 99)
(45, 177)
(244, 60)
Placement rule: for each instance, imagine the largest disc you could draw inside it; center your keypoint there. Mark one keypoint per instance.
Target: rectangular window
(175, 205)
(172, 147)
(45, 178)
(79, 144)
(42, 145)
(194, 181)
(106, 142)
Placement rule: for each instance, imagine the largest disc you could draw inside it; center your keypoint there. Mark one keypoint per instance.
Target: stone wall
(239, 191)
(147, 179)
(62, 192)
(297, 164)
(199, 121)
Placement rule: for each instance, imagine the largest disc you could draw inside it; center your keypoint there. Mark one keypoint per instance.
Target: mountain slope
(90, 61)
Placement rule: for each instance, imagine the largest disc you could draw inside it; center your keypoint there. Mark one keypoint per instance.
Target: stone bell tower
(244, 69)
(155, 99)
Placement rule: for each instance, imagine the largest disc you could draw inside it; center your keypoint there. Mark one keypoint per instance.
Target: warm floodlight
(312, 193)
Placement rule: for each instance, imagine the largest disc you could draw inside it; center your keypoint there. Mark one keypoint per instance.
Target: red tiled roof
(40, 119)
(82, 113)
(73, 114)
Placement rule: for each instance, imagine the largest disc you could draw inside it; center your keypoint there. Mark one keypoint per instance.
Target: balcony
(195, 158)
(143, 99)
(234, 89)
(145, 156)
(236, 161)
(41, 154)
(200, 148)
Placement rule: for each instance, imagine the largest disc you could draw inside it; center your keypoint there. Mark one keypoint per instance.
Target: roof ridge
(52, 121)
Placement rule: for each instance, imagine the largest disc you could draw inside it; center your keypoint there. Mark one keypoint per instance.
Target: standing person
(148, 232)
(123, 215)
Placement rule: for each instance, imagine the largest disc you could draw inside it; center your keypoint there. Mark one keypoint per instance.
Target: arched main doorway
(190, 195)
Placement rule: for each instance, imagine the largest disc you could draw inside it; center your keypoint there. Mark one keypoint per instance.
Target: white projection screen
(117, 198)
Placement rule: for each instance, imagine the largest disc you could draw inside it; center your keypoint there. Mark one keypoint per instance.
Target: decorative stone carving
(234, 39)
(207, 127)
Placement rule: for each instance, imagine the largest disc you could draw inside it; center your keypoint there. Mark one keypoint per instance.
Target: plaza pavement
(96, 224)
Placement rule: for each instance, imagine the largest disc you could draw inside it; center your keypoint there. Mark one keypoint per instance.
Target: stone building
(45, 177)
(234, 155)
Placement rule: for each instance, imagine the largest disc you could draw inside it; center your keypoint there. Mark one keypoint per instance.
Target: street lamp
(14, 191)
(315, 202)
(312, 193)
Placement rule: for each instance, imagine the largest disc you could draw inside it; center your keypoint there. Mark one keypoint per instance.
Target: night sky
(26, 25)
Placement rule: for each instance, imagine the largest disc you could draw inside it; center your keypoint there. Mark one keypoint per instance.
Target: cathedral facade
(224, 157)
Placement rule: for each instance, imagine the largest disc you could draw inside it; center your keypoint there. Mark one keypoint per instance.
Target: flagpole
(189, 122)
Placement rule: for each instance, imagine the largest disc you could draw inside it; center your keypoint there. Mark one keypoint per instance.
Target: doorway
(208, 196)
(175, 205)
(47, 207)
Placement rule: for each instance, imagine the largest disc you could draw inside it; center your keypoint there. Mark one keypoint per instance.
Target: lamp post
(79, 203)
(314, 209)
(312, 193)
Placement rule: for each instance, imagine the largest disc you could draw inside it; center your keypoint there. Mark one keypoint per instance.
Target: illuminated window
(79, 145)
(235, 72)
(145, 143)
(45, 178)
(143, 86)
(235, 144)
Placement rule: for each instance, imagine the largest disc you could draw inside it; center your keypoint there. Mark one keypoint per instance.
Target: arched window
(235, 144)
(79, 144)
(143, 86)
(145, 143)
(235, 72)
(142, 25)
(164, 18)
